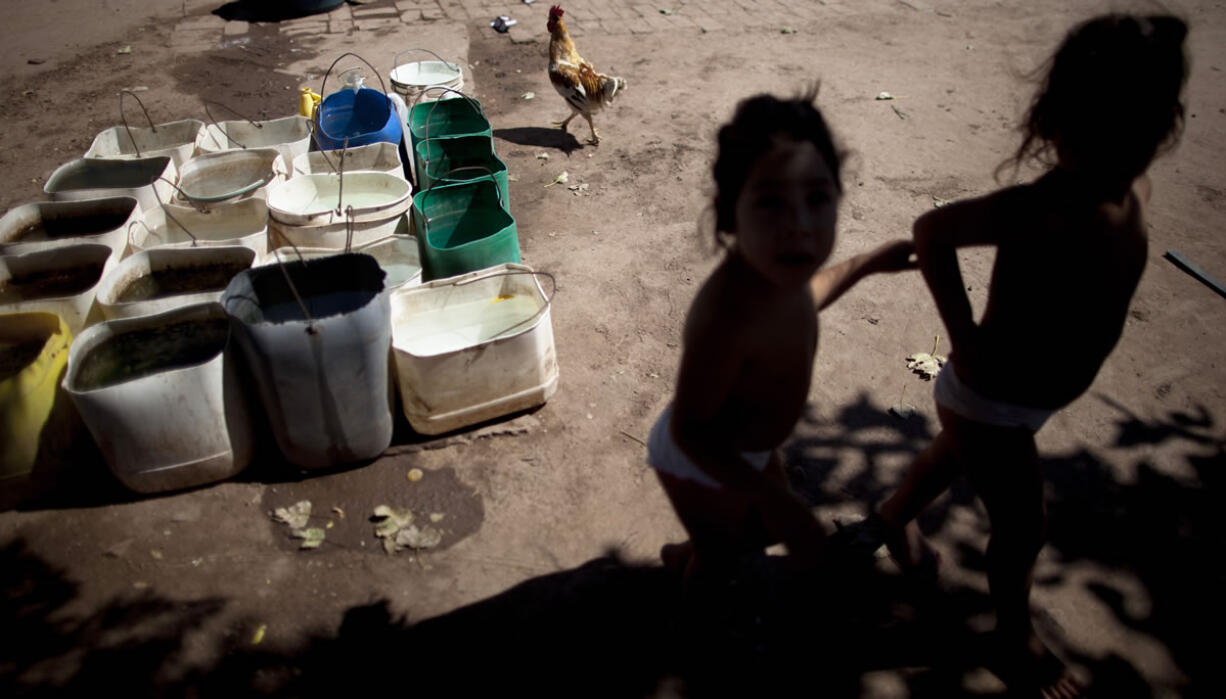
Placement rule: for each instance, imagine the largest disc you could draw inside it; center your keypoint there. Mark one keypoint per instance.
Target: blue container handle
(324, 84)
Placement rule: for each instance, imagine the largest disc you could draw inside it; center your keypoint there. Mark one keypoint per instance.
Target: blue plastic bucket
(363, 117)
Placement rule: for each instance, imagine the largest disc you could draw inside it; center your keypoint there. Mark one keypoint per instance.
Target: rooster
(585, 90)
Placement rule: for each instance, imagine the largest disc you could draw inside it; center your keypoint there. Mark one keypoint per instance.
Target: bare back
(1064, 275)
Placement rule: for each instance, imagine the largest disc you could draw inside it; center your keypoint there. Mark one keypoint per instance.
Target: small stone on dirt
(902, 410)
(414, 475)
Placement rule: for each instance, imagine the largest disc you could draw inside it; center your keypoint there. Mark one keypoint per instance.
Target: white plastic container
(472, 348)
(165, 261)
(409, 80)
(333, 236)
(149, 180)
(376, 157)
(398, 257)
(56, 224)
(324, 382)
(243, 222)
(176, 139)
(212, 178)
(72, 300)
(177, 427)
(400, 260)
(290, 135)
(320, 199)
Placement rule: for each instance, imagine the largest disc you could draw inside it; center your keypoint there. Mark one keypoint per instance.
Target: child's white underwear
(665, 456)
(952, 394)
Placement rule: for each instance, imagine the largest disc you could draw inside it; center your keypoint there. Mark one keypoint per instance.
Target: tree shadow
(540, 137)
(1161, 524)
(1156, 527)
(47, 648)
(612, 628)
(266, 11)
(605, 628)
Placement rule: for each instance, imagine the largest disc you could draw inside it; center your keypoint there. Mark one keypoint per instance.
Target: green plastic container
(463, 227)
(449, 118)
(461, 159)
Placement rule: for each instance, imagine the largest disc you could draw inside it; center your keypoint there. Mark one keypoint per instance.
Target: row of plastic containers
(157, 366)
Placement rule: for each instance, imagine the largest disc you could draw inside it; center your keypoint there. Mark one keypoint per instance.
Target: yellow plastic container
(28, 398)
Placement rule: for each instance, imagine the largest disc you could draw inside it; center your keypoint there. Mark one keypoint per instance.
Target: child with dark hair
(750, 340)
(1070, 249)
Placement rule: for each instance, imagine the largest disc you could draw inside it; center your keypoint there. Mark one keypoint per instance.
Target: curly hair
(757, 122)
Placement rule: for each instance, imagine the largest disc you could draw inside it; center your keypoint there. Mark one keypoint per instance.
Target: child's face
(786, 213)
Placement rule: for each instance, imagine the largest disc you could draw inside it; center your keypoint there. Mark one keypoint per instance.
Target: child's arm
(938, 234)
(832, 282)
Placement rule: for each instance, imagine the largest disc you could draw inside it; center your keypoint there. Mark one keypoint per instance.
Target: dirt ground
(547, 579)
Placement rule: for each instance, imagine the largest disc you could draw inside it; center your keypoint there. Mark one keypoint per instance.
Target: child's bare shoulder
(981, 220)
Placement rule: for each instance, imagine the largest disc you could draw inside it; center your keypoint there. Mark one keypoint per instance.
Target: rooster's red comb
(555, 12)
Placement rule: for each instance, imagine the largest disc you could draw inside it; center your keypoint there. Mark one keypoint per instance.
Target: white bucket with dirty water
(327, 198)
(397, 255)
(227, 176)
(400, 260)
(54, 224)
(377, 157)
(149, 180)
(333, 237)
(316, 335)
(338, 212)
(63, 281)
(243, 222)
(410, 80)
(162, 398)
(290, 135)
(154, 281)
(473, 347)
(176, 139)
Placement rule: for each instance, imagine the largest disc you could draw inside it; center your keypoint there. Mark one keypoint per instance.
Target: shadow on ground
(1150, 527)
(265, 11)
(540, 137)
(610, 628)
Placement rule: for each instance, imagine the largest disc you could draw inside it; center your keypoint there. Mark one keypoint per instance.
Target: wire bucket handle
(199, 201)
(224, 132)
(553, 291)
(324, 84)
(489, 176)
(166, 212)
(398, 54)
(141, 221)
(430, 115)
(124, 119)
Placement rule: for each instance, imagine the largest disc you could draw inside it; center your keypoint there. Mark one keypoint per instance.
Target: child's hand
(894, 256)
